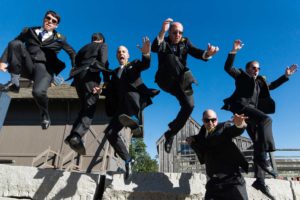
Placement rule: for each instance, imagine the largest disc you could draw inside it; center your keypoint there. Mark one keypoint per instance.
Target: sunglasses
(49, 19)
(213, 120)
(256, 68)
(177, 32)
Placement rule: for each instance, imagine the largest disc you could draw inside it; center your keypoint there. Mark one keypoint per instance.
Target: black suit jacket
(125, 88)
(218, 152)
(171, 66)
(90, 56)
(245, 88)
(45, 51)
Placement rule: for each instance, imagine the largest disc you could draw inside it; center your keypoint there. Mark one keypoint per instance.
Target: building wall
(22, 139)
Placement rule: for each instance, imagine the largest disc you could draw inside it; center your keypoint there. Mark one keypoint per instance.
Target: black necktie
(41, 34)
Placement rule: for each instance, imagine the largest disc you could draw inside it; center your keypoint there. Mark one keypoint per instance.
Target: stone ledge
(34, 183)
(185, 186)
(19, 182)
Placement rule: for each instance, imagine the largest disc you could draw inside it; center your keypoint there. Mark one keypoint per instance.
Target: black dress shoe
(263, 188)
(45, 124)
(265, 165)
(128, 168)
(168, 142)
(10, 87)
(153, 92)
(127, 121)
(75, 142)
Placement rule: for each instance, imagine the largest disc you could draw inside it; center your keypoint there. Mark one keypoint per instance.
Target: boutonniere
(58, 37)
(128, 65)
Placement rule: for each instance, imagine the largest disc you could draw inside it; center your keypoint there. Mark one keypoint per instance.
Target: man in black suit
(126, 96)
(33, 54)
(252, 97)
(173, 75)
(222, 158)
(89, 62)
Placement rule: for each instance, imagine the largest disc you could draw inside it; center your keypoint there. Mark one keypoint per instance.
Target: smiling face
(50, 22)
(122, 55)
(210, 120)
(175, 32)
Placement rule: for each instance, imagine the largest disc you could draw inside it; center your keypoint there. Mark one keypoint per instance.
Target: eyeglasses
(256, 68)
(213, 120)
(54, 21)
(177, 32)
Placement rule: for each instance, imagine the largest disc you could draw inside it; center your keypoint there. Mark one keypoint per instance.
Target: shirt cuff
(204, 56)
(159, 40)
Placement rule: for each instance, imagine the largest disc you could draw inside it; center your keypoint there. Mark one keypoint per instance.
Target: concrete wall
(18, 182)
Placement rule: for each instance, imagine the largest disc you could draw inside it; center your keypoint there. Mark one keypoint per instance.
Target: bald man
(215, 148)
(127, 96)
(173, 75)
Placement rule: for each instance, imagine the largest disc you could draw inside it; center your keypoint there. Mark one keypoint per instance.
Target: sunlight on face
(210, 120)
(122, 55)
(175, 32)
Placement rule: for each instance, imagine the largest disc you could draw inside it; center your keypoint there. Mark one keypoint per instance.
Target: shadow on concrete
(51, 177)
(160, 186)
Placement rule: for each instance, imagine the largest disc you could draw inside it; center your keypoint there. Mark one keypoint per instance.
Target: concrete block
(31, 182)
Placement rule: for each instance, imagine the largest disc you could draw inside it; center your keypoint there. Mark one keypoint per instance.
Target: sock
(15, 79)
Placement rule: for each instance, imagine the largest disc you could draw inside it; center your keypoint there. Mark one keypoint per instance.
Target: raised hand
(166, 25)
(97, 89)
(237, 45)
(291, 70)
(239, 120)
(211, 50)
(3, 67)
(146, 48)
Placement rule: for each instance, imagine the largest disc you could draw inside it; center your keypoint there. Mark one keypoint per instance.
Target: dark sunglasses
(213, 120)
(177, 32)
(54, 21)
(256, 68)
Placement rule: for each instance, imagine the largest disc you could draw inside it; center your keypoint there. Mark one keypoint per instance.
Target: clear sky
(270, 30)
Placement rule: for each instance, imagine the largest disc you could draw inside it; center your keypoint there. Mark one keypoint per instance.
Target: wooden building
(23, 142)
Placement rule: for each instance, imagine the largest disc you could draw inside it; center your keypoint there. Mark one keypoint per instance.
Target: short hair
(98, 36)
(54, 14)
(250, 63)
(175, 24)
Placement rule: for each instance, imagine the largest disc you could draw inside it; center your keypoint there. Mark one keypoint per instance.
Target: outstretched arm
(232, 71)
(156, 45)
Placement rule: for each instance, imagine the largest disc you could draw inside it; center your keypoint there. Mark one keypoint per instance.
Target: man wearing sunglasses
(173, 75)
(33, 55)
(215, 148)
(252, 98)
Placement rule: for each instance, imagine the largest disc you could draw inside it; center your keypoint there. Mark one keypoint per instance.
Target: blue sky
(270, 30)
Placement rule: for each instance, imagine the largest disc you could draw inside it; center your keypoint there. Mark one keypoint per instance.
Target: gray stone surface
(185, 186)
(17, 182)
(43, 184)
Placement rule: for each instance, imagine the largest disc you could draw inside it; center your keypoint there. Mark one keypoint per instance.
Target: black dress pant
(84, 84)
(20, 62)
(259, 130)
(186, 108)
(114, 138)
(231, 187)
